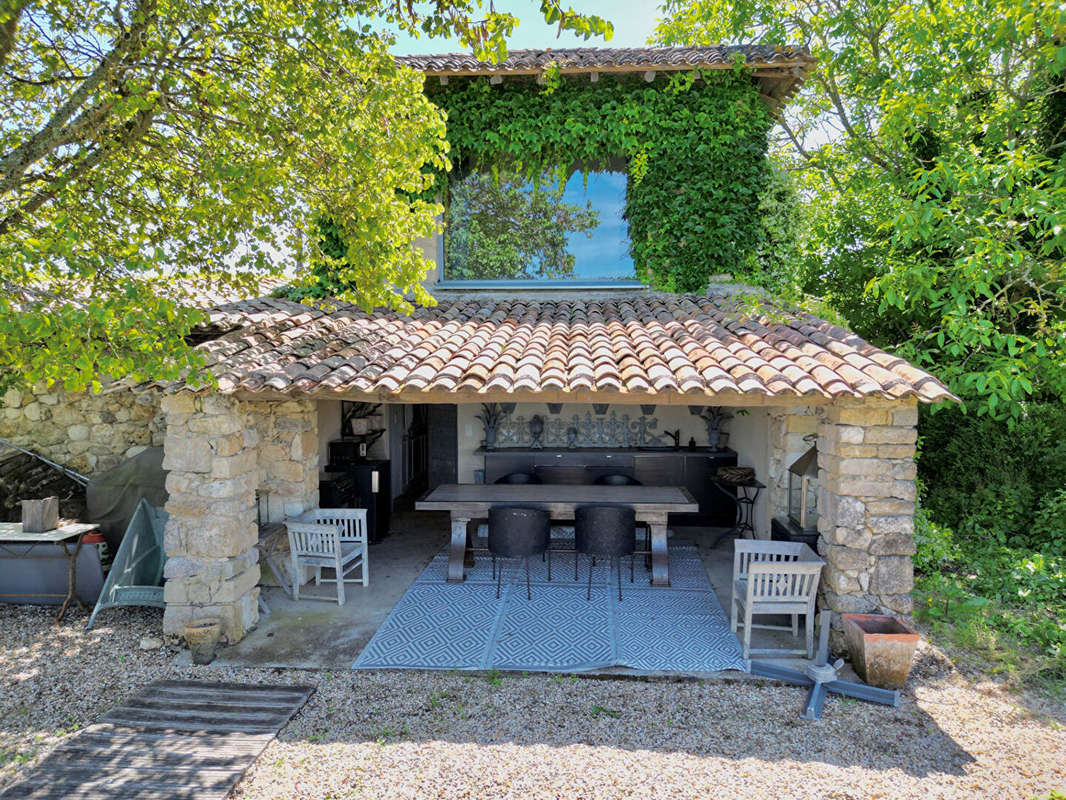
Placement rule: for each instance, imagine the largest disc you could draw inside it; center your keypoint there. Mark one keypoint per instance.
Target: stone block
(896, 544)
(839, 582)
(891, 525)
(13, 398)
(891, 505)
(78, 433)
(850, 434)
(227, 445)
(847, 603)
(862, 415)
(186, 454)
(892, 575)
(905, 417)
(215, 424)
(853, 537)
(901, 604)
(890, 435)
(866, 487)
(232, 466)
(847, 558)
(179, 403)
(32, 411)
(291, 471)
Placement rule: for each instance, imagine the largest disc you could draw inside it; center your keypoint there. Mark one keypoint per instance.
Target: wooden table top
(12, 532)
(670, 499)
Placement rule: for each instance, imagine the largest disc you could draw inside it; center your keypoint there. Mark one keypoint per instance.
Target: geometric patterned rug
(439, 625)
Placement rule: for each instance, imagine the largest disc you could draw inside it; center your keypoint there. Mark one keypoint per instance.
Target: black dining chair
(515, 478)
(516, 532)
(620, 479)
(605, 532)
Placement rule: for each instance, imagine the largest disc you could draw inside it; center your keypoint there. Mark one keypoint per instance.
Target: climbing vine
(693, 146)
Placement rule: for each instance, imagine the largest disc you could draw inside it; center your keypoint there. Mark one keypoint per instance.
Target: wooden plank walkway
(178, 740)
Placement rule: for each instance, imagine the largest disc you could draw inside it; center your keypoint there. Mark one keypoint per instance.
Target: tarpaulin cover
(112, 496)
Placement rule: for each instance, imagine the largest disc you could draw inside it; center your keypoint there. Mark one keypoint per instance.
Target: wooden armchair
(334, 538)
(774, 578)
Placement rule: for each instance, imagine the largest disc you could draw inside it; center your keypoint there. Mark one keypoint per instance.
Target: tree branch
(15, 163)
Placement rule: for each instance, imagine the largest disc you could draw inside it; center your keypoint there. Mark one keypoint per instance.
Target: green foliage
(694, 151)
(154, 149)
(931, 146)
(989, 480)
(497, 228)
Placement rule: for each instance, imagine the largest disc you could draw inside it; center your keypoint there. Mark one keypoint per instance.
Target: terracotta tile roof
(637, 345)
(584, 59)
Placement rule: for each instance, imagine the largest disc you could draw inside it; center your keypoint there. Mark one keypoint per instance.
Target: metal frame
(821, 677)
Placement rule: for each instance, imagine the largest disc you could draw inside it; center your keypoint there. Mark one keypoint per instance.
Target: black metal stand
(747, 494)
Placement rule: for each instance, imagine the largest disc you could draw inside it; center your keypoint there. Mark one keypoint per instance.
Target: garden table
(465, 502)
(11, 533)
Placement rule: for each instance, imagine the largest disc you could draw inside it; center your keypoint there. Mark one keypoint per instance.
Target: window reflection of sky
(605, 254)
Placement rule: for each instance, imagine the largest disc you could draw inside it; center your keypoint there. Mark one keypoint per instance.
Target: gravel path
(447, 735)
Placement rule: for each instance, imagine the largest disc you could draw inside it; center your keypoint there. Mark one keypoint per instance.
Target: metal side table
(747, 492)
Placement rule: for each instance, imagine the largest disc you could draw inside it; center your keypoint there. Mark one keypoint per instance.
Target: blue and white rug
(439, 625)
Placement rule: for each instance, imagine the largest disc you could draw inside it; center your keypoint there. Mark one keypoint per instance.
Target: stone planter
(202, 635)
(881, 648)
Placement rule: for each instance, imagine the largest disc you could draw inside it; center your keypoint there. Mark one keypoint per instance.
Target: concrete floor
(312, 634)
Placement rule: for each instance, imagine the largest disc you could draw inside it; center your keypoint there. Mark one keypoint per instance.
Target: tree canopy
(152, 150)
(928, 147)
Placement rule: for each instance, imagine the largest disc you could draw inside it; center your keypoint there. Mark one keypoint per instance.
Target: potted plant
(491, 416)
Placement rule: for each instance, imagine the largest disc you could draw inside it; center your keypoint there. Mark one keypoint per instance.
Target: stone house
(602, 364)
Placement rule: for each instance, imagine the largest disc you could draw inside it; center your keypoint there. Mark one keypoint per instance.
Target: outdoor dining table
(11, 533)
(466, 502)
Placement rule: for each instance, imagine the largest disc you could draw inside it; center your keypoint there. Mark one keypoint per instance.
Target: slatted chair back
(782, 582)
(314, 544)
(746, 551)
(351, 521)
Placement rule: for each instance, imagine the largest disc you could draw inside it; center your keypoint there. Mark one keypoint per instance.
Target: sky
(634, 21)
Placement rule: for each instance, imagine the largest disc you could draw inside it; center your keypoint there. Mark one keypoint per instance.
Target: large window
(502, 227)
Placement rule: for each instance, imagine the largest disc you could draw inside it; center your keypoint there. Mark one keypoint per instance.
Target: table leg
(660, 556)
(72, 579)
(471, 533)
(457, 554)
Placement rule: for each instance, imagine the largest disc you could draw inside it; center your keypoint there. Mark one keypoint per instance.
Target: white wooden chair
(352, 522)
(324, 538)
(774, 578)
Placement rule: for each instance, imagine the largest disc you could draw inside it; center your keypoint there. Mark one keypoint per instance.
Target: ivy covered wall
(693, 145)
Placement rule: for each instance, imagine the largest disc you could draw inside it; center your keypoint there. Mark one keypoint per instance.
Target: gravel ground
(448, 735)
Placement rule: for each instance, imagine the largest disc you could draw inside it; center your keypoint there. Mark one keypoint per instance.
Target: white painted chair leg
(296, 575)
(733, 614)
(747, 631)
(340, 582)
(795, 625)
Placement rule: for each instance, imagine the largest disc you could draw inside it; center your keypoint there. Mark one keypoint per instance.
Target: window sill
(534, 285)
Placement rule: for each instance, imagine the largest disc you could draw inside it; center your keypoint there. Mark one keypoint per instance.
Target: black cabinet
(372, 488)
(692, 469)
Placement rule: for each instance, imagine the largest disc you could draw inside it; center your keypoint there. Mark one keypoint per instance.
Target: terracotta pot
(881, 648)
(202, 635)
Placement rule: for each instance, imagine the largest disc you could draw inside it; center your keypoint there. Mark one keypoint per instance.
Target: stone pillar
(212, 565)
(288, 455)
(866, 505)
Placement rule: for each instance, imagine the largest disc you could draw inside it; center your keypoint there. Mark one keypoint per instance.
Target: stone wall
(220, 451)
(866, 505)
(788, 427)
(89, 433)
(288, 455)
